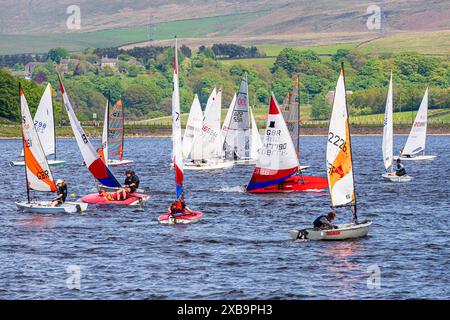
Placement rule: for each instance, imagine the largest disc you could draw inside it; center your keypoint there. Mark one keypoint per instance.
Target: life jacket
(317, 223)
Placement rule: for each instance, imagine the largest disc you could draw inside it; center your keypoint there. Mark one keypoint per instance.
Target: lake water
(241, 249)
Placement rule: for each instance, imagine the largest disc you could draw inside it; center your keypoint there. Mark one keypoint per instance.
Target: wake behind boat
(339, 173)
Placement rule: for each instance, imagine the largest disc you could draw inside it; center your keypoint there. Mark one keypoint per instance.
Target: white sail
(256, 143)
(104, 146)
(193, 126)
(197, 152)
(226, 123)
(388, 131)
(339, 159)
(44, 122)
(39, 176)
(237, 140)
(211, 127)
(417, 137)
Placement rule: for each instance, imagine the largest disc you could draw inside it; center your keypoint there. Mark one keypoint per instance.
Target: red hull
(133, 199)
(296, 184)
(189, 216)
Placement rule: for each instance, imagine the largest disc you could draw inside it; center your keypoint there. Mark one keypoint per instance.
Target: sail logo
(336, 170)
(420, 124)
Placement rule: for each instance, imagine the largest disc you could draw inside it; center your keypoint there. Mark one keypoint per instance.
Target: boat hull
(344, 232)
(50, 163)
(415, 158)
(392, 177)
(119, 162)
(190, 217)
(133, 200)
(43, 207)
(114, 189)
(208, 166)
(296, 184)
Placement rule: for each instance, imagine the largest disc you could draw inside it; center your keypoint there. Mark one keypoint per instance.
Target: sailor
(178, 207)
(325, 222)
(130, 185)
(61, 189)
(399, 168)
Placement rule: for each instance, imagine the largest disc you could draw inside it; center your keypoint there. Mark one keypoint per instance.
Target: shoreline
(146, 132)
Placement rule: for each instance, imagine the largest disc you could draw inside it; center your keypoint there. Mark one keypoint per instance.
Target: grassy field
(114, 37)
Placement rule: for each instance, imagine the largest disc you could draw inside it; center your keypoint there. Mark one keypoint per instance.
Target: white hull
(344, 232)
(303, 168)
(50, 163)
(245, 161)
(44, 207)
(415, 158)
(207, 166)
(394, 178)
(119, 162)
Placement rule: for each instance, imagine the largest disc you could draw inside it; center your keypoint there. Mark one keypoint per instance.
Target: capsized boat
(44, 122)
(133, 199)
(38, 175)
(91, 158)
(414, 148)
(388, 141)
(278, 164)
(339, 173)
(112, 143)
(187, 216)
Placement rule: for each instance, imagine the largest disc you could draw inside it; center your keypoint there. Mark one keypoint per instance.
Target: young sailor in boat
(325, 222)
(61, 189)
(178, 207)
(399, 168)
(130, 185)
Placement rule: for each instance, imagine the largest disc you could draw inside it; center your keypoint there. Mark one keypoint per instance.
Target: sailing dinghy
(188, 216)
(414, 148)
(44, 122)
(113, 135)
(277, 166)
(207, 148)
(94, 163)
(37, 171)
(388, 141)
(237, 145)
(340, 174)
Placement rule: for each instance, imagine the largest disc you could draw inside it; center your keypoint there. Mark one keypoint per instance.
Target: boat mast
(354, 207)
(123, 131)
(53, 114)
(24, 142)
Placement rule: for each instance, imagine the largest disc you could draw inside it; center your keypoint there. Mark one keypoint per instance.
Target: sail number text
(337, 141)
